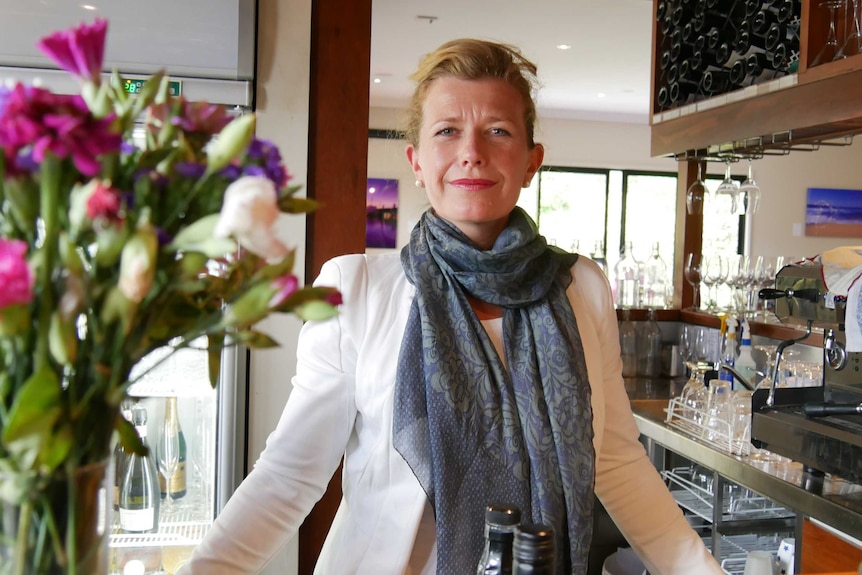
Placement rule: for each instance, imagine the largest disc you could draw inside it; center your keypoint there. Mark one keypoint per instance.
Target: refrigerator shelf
(178, 530)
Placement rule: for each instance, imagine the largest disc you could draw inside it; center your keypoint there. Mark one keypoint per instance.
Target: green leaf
(33, 414)
(315, 311)
(232, 140)
(292, 205)
(198, 237)
(129, 438)
(56, 447)
(276, 270)
(255, 339)
(215, 344)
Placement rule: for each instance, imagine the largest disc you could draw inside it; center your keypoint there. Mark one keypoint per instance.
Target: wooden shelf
(817, 105)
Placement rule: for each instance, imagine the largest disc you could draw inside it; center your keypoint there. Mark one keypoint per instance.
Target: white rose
(249, 213)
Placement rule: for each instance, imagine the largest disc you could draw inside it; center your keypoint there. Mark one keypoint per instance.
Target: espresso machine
(821, 427)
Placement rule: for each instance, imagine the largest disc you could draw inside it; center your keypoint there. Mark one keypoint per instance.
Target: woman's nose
(472, 152)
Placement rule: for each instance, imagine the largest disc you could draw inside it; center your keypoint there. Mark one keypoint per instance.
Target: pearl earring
(419, 184)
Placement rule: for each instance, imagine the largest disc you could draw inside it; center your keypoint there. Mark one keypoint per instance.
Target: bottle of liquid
(628, 345)
(139, 496)
(649, 346)
(728, 352)
(501, 522)
(655, 280)
(598, 255)
(626, 276)
(534, 550)
(178, 479)
(745, 364)
(120, 456)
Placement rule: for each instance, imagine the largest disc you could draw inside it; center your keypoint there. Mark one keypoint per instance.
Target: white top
(342, 406)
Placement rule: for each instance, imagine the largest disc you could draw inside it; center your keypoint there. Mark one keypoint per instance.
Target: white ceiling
(604, 76)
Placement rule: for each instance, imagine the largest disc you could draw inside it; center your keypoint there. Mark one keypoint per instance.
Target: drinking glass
(714, 272)
(168, 455)
(729, 188)
(694, 275)
(829, 51)
(696, 194)
(749, 192)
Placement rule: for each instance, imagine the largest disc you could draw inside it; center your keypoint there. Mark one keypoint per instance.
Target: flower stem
(24, 519)
(48, 199)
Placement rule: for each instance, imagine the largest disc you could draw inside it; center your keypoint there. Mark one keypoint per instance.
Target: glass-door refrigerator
(211, 466)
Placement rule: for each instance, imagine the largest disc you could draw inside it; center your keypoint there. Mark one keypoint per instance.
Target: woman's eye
(446, 132)
(499, 131)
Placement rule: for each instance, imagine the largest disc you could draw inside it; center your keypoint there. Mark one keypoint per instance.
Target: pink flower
(16, 277)
(249, 215)
(79, 51)
(35, 119)
(197, 117)
(334, 298)
(286, 286)
(104, 202)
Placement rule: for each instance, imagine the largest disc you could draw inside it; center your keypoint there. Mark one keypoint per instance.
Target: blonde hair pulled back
(472, 59)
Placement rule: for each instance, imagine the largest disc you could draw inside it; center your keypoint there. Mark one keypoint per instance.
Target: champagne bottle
(139, 499)
(178, 479)
(501, 521)
(534, 550)
(120, 457)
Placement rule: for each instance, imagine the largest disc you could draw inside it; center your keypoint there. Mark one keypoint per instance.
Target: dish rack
(768, 519)
(690, 420)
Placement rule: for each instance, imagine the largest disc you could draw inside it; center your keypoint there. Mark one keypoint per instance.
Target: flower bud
(230, 143)
(249, 214)
(138, 264)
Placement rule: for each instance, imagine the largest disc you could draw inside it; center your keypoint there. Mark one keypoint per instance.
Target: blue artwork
(833, 212)
(381, 213)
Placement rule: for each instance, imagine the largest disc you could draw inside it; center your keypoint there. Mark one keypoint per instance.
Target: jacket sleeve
(300, 457)
(627, 483)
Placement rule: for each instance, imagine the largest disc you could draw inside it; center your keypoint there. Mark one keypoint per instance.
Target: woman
(506, 385)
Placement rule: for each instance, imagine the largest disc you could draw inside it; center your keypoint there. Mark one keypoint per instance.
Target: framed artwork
(834, 213)
(381, 213)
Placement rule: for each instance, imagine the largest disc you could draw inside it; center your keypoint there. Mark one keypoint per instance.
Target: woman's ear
(413, 158)
(534, 162)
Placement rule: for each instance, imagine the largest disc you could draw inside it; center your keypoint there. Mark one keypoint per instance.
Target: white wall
(784, 180)
(284, 39)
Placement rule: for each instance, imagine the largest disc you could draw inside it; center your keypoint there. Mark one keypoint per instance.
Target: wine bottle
(534, 550)
(752, 7)
(139, 498)
(745, 39)
(120, 456)
(501, 521)
(715, 81)
(762, 21)
(178, 479)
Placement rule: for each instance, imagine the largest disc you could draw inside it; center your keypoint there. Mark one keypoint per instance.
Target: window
(579, 209)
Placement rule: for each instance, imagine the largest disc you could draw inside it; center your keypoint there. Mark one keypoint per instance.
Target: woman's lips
(472, 184)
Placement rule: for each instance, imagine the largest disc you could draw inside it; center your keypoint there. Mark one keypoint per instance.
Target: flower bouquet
(112, 246)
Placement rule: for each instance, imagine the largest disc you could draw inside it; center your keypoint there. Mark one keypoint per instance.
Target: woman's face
(473, 157)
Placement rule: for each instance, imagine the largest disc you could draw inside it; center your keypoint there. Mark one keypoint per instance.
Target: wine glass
(696, 194)
(714, 271)
(694, 275)
(829, 51)
(853, 35)
(728, 187)
(168, 455)
(749, 191)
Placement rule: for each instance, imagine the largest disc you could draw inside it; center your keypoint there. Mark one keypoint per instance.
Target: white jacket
(341, 406)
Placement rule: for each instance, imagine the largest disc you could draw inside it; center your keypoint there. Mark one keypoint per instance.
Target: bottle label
(137, 519)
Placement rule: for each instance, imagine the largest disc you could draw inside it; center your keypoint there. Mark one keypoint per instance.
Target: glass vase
(55, 525)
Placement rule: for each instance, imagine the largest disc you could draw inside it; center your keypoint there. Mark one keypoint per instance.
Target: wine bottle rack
(706, 48)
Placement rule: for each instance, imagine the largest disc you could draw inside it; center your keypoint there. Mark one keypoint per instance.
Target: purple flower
(35, 119)
(16, 277)
(190, 169)
(79, 51)
(265, 160)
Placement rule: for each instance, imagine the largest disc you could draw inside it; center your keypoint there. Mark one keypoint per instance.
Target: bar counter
(829, 500)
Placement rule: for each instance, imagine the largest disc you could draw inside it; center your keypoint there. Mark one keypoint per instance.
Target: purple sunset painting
(381, 213)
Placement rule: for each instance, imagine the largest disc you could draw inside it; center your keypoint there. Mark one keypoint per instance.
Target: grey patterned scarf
(473, 432)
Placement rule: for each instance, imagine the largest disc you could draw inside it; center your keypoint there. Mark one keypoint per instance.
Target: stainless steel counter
(830, 500)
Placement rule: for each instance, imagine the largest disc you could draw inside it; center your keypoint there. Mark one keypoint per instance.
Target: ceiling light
(88, 7)
(564, 46)
(377, 80)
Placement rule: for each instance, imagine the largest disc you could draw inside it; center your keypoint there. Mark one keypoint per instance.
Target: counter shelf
(829, 499)
(698, 423)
